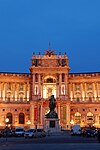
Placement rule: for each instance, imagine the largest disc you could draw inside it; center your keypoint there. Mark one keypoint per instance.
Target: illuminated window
(99, 119)
(90, 118)
(77, 118)
(9, 116)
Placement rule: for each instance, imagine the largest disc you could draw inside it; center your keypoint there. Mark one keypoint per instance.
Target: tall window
(89, 86)
(21, 87)
(8, 97)
(77, 118)
(99, 119)
(36, 77)
(8, 86)
(90, 120)
(63, 77)
(77, 99)
(21, 97)
(21, 118)
(9, 116)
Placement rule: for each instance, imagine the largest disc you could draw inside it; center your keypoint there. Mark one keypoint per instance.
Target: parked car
(88, 132)
(34, 133)
(76, 130)
(19, 131)
(29, 133)
(39, 133)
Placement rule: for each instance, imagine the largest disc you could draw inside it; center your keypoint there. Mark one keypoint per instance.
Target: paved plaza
(68, 146)
(53, 142)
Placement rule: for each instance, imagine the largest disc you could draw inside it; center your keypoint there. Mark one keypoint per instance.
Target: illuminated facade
(24, 98)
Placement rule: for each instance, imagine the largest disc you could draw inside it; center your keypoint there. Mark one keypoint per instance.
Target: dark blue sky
(71, 26)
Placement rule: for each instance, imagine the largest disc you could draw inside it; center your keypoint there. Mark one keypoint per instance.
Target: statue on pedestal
(52, 105)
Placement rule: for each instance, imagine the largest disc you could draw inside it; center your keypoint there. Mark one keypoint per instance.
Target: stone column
(41, 115)
(16, 92)
(59, 112)
(39, 84)
(68, 116)
(57, 90)
(13, 91)
(33, 84)
(0, 90)
(60, 79)
(73, 91)
(32, 115)
(82, 90)
(3, 93)
(85, 98)
(28, 90)
(25, 96)
(66, 85)
(97, 88)
(94, 91)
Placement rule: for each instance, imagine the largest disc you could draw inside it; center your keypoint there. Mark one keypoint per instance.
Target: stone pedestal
(52, 125)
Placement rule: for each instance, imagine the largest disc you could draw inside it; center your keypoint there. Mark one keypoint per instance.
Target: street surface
(52, 142)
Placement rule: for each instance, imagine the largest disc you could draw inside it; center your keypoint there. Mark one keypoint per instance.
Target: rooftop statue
(49, 52)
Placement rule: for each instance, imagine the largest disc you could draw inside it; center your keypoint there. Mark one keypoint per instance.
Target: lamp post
(72, 123)
(7, 120)
(28, 124)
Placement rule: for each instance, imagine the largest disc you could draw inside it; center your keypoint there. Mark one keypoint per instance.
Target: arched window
(21, 97)
(77, 118)
(21, 87)
(9, 116)
(8, 86)
(8, 97)
(90, 120)
(78, 96)
(90, 96)
(49, 80)
(21, 118)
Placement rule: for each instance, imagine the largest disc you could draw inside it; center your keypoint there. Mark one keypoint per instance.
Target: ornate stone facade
(24, 98)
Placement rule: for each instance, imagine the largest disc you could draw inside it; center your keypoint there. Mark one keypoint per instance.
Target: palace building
(24, 97)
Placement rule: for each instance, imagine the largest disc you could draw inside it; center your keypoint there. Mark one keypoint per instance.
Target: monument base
(52, 125)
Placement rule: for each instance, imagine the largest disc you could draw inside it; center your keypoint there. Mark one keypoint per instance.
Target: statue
(52, 105)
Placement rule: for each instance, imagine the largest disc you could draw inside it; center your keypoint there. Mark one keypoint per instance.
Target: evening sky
(71, 26)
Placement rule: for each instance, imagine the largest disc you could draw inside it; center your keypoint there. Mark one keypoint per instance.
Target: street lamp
(28, 124)
(72, 123)
(7, 120)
